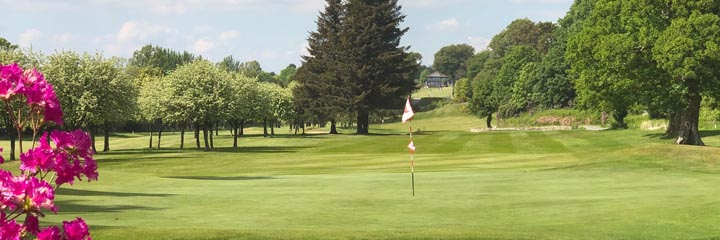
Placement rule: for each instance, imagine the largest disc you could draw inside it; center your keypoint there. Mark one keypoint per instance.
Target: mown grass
(628, 184)
(445, 92)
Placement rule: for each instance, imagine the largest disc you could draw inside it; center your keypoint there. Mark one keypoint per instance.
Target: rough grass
(628, 184)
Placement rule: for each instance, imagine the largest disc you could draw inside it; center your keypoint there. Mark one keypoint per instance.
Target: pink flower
(90, 169)
(32, 224)
(49, 233)
(40, 194)
(37, 159)
(76, 230)
(66, 170)
(12, 190)
(2, 160)
(10, 80)
(33, 76)
(53, 111)
(10, 231)
(75, 143)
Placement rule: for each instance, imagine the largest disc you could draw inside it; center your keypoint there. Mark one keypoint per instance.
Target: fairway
(510, 185)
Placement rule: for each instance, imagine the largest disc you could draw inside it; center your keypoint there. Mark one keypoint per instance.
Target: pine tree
(320, 91)
(378, 67)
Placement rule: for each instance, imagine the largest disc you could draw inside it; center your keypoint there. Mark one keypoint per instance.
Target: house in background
(436, 80)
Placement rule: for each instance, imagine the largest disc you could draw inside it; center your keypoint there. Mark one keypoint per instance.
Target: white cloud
(541, 1)
(479, 43)
(446, 25)
(430, 3)
(175, 8)
(140, 31)
(227, 35)
(28, 37)
(63, 37)
(203, 46)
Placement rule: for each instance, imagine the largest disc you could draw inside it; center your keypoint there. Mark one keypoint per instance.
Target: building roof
(437, 74)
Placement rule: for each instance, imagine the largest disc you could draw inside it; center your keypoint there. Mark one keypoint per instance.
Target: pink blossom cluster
(69, 158)
(38, 93)
(72, 230)
(64, 157)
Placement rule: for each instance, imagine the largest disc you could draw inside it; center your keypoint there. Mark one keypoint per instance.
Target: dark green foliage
(286, 75)
(356, 62)
(507, 78)
(476, 63)
(378, 66)
(320, 94)
(523, 32)
(164, 59)
(452, 60)
(6, 45)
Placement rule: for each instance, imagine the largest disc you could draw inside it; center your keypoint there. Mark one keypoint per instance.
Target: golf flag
(411, 146)
(408, 112)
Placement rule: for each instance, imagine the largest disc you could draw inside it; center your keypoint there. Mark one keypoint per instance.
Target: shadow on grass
(144, 159)
(660, 136)
(291, 136)
(703, 133)
(77, 192)
(140, 151)
(262, 149)
(73, 206)
(218, 178)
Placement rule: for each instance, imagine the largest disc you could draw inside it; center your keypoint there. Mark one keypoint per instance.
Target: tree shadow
(659, 136)
(145, 159)
(74, 206)
(703, 133)
(77, 192)
(140, 151)
(262, 149)
(218, 178)
(709, 133)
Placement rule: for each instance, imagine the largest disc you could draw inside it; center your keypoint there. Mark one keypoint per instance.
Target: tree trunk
(217, 128)
(197, 135)
(333, 127)
(182, 136)
(205, 137)
(93, 131)
(265, 132)
(235, 136)
(242, 128)
(363, 120)
(106, 133)
(151, 136)
(272, 128)
(673, 127)
(160, 129)
(619, 116)
(12, 143)
(688, 133)
(489, 120)
(212, 143)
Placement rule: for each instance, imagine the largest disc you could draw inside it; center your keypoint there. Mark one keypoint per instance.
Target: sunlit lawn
(500, 185)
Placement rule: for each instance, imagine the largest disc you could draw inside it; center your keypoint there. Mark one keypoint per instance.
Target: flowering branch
(68, 156)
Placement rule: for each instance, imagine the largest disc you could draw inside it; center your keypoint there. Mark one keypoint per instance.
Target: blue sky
(270, 31)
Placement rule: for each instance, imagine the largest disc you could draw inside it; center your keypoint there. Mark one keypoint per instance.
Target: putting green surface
(499, 185)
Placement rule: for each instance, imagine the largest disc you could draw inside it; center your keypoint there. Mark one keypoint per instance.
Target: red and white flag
(411, 146)
(408, 112)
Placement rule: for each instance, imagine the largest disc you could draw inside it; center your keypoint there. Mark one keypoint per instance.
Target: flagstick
(412, 165)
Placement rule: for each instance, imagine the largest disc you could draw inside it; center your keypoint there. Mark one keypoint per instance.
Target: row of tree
(660, 56)
(157, 89)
